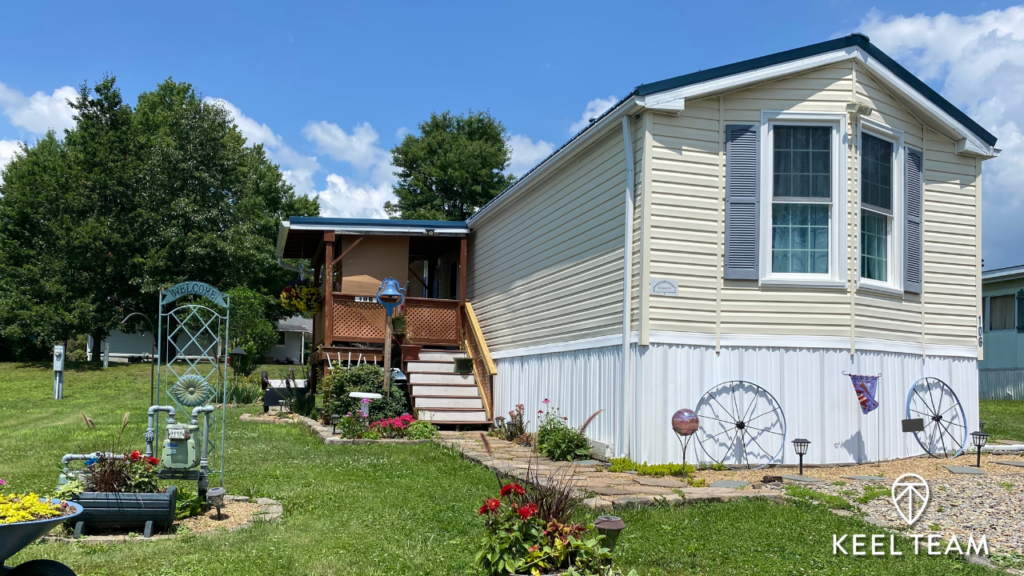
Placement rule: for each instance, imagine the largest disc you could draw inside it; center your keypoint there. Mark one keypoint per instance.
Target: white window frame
(837, 264)
(894, 273)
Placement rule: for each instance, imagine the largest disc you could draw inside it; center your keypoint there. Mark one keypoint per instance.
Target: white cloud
(978, 63)
(345, 200)
(526, 153)
(38, 113)
(400, 133)
(358, 148)
(7, 150)
(296, 168)
(594, 108)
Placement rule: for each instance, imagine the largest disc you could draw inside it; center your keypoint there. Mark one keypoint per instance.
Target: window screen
(800, 238)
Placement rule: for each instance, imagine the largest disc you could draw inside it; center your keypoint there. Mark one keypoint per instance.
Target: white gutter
(627, 278)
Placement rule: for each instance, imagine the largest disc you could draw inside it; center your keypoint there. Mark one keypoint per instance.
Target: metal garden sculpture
(742, 425)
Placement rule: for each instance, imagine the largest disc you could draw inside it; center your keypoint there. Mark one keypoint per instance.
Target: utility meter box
(58, 358)
(179, 452)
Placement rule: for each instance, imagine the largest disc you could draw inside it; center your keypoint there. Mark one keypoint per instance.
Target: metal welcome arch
(192, 354)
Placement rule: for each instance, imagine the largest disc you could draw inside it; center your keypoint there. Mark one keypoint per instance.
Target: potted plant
(463, 365)
(27, 517)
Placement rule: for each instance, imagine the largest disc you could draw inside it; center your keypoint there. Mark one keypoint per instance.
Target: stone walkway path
(601, 489)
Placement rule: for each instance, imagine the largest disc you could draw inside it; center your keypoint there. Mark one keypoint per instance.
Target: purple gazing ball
(685, 422)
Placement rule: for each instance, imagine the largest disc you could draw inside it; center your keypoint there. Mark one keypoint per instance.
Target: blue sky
(330, 88)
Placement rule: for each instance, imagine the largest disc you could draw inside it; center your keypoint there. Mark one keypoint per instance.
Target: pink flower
(546, 401)
(2, 483)
(540, 411)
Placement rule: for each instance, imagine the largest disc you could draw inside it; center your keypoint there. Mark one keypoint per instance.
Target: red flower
(493, 504)
(135, 456)
(512, 489)
(527, 512)
(483, 510)
(152, 461)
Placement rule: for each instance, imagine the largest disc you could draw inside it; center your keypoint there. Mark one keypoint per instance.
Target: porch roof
(298, 237)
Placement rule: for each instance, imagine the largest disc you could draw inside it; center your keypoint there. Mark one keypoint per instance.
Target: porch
(349, 259)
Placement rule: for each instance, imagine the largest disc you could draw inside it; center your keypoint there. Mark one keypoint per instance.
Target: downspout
(627, 283)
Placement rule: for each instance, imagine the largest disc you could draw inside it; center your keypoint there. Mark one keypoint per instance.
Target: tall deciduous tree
(454, 166)
(132, 201)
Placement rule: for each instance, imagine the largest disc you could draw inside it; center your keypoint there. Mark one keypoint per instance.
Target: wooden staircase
(440, 395)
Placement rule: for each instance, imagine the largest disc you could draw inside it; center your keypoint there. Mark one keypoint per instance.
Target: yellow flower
(25, 508)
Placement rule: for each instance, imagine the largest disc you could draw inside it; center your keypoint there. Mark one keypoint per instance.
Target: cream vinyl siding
(547, 266)
(686, 195)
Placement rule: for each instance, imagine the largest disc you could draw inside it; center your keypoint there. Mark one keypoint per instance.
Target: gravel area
(980, 505)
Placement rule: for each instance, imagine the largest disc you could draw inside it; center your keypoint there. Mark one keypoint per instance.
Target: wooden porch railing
(427, 321)
(483, 366)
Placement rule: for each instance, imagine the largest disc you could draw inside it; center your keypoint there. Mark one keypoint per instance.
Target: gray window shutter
(741, 203)
(1020, 310)
(914, 216)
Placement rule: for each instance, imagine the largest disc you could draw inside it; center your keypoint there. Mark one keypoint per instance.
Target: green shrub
(645, 469)
(337, 385)
(421, 430)
(558, 441)
(189, 503)
(244, 390)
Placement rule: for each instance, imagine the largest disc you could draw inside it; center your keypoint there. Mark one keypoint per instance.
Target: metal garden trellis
(189, 374)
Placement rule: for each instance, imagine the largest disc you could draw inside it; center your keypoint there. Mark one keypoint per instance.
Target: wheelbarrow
(14, 537)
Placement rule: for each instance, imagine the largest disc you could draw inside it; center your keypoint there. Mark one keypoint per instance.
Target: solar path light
(609, 527)
(979, 439)
(801, 445)
(334, 423)
(215, 496)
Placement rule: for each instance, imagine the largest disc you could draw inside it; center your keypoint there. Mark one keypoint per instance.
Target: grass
(1004, 419)
(832, 501)
(376, 509)
(873, 492)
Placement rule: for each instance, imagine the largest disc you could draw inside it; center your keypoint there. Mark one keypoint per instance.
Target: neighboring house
(786, 220)
(1001, 371)
(289, 348)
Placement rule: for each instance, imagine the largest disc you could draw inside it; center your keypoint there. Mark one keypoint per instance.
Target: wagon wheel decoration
(741, 425)
(945, 424)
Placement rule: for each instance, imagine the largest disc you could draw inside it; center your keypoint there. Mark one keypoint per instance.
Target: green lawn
(1004, 419)
(382, 509)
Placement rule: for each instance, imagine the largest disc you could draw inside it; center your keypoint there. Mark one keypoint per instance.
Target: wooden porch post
(462, 270)
(328, 289)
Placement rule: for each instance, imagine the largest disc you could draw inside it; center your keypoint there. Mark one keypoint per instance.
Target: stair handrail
(478, 335)
(484, 369)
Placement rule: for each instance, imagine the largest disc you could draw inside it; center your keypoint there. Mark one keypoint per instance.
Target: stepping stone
(729, 484)
(801, 479)
(865, 478)
(965, 470)
(611, 491)
(586, 462)
(661, 482)
(1017, 463)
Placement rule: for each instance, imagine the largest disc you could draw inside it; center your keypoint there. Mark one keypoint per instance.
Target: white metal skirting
(1001, 384)
(819, 401)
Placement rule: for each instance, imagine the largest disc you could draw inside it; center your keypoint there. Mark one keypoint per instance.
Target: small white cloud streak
(526, 153)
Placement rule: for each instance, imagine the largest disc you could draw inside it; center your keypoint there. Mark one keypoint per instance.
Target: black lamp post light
(609, 527)
(979, 439)
(801, 445)
(334, 423)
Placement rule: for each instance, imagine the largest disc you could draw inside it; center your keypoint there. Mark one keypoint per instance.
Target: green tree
(452, 168)
(132, 201)
(252, 328)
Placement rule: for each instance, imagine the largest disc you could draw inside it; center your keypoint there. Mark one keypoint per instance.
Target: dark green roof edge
(858, 40)
(383, 222)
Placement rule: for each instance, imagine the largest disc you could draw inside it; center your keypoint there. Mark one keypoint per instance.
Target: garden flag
(865, 387)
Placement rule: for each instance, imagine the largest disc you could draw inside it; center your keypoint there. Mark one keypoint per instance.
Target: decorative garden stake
(979, 439)
(609, 527)
(684, 424)
(800, 445)
(390, 295)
